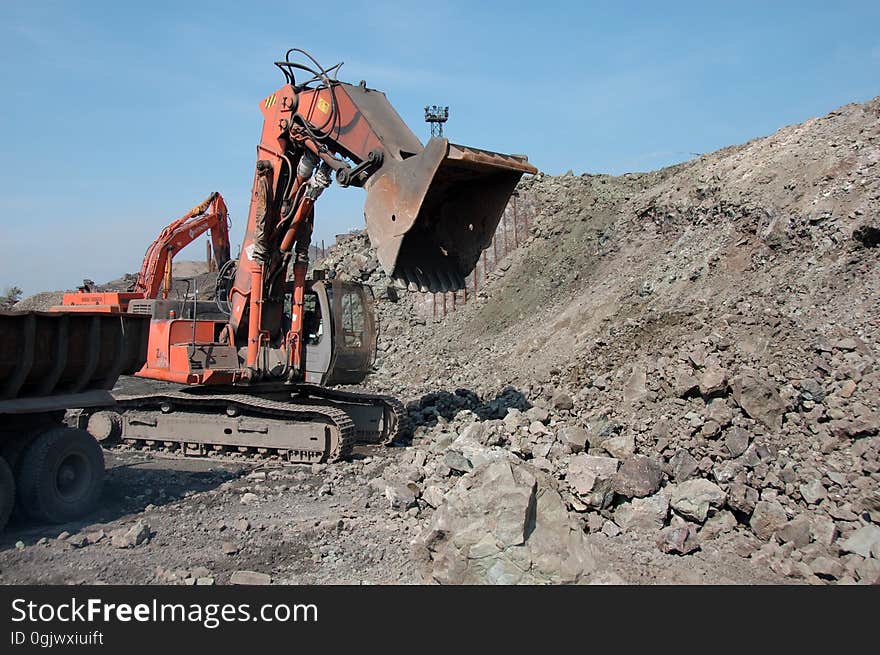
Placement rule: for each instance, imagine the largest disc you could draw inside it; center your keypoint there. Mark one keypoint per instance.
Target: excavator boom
(211, 214)
(430, 210)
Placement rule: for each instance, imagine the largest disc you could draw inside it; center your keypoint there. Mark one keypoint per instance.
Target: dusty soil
(292, 529)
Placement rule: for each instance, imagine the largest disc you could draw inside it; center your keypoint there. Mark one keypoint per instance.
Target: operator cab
(339, 332)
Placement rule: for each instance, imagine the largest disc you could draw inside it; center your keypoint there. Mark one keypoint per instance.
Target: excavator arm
(430, 210)
(155, 273)
(156, 269)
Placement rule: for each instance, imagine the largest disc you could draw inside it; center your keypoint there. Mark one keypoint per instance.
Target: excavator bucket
(431, 215)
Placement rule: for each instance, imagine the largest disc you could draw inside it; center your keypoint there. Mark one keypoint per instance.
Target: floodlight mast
(435, 116)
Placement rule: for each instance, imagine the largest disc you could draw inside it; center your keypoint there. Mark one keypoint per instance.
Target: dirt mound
(718, 318)
(39, 302)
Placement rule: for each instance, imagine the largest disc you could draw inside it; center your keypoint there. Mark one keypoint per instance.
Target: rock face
(505, 524)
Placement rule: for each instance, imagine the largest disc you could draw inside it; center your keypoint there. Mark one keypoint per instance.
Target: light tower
(435, 116)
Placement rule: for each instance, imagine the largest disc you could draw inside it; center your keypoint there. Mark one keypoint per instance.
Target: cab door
(341, 345)
(317, 332)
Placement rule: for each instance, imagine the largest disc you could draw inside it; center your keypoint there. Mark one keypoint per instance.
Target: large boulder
(634, 389)
(638, 477)
(768, 518)
(591, 477)
(130, 537)
(713, 380)
(865, 542)
(466, 453)
(693, 498)
(505, 523)
(643, 514)
(759, 398)
(575, 438)
(685, 383)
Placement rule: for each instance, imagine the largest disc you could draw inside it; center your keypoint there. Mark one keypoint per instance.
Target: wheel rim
(72, 477)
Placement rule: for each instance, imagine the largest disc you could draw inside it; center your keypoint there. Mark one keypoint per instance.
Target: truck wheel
(61, 475)
(13, 452)
(7, 493)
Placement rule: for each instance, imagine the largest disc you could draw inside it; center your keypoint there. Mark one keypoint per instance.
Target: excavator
(155, 276)
(259, 369)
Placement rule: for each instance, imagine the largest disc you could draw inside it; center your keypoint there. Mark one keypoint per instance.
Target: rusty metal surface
(430, 216)
(51, 353)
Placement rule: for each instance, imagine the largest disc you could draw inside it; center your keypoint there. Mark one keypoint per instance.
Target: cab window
(352, 320)
(313, 326)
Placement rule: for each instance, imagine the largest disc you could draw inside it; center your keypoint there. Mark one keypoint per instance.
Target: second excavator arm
(155, 273)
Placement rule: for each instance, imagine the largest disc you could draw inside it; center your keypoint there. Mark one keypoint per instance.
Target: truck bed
(55, 355)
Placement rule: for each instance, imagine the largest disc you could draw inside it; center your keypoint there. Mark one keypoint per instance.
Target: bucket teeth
(411, 280)
(434, 281)
(404, 277)
(436, 284)
(423, 280)
(439, 207)
(450, 280)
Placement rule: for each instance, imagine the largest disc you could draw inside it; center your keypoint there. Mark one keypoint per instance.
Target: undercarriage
(296, 423)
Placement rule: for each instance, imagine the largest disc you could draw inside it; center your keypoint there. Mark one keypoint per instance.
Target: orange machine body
(154, 278)
(187, 352)
(107, 302)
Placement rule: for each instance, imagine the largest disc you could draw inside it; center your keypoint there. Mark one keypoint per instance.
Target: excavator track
(301, 423)
(202, 424)
(395, 423)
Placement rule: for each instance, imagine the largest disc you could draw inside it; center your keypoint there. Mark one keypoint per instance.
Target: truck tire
(7, 493)
(13, 451)
(61, 475)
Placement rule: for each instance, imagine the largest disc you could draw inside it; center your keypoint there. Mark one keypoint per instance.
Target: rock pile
(691, 355)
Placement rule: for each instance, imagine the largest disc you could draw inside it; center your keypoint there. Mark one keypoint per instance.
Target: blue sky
(117, 117)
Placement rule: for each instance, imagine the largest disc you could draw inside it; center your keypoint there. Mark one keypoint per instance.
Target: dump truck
(51, 362)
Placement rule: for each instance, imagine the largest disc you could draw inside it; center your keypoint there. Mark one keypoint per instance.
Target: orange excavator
(260, 367)
(155, 276)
